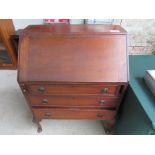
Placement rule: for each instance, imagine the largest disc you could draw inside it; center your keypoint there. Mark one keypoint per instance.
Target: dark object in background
(4, 57)
(137, 113)
(15, 39)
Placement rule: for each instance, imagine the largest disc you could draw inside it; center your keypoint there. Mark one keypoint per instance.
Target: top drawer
(72, 89)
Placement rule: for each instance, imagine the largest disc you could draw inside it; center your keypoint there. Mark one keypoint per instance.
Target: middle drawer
(73, 100)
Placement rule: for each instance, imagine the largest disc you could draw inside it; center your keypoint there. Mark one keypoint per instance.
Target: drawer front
(73, 114)
(73, 89)
(83, 101)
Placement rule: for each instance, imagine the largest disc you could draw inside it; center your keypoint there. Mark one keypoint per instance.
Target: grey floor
(15, 116)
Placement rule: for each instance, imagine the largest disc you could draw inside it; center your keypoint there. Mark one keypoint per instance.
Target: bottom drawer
(55, 113)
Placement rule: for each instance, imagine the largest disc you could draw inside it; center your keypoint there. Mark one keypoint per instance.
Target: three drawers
(73, 101)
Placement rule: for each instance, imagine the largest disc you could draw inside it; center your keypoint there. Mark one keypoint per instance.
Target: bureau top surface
(93, 58)
(74, 29)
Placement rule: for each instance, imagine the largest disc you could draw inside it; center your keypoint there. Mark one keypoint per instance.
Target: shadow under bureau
(73, 71)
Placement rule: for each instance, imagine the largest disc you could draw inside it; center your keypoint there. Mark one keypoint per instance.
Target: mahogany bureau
(73, 71)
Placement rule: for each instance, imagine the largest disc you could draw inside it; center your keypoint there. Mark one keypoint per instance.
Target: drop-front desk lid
(73, 53)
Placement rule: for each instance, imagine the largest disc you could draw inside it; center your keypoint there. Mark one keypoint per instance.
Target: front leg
(109, 127)
(37, 121)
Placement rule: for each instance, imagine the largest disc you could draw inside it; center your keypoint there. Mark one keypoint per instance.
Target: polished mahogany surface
(74, 29)
(87, 57)
(73, 71)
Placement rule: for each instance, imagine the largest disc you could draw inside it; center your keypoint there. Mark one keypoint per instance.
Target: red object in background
(56, 20)
(48, 20)
(63, 20)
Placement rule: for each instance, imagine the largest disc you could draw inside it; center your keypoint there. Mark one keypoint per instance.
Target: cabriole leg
(109, 127)
(37, 121)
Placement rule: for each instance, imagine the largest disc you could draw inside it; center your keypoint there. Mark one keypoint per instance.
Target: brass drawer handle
(102, 102)
(24, 90)
(47, 114)
(45, 101)
(41, 89)
(104, 90)
(99, 115)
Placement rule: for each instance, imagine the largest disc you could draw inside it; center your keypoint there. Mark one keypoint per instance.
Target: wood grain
(73, 114)
(73, 101)
(73, 89)
(73, 71)
(102, 58)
